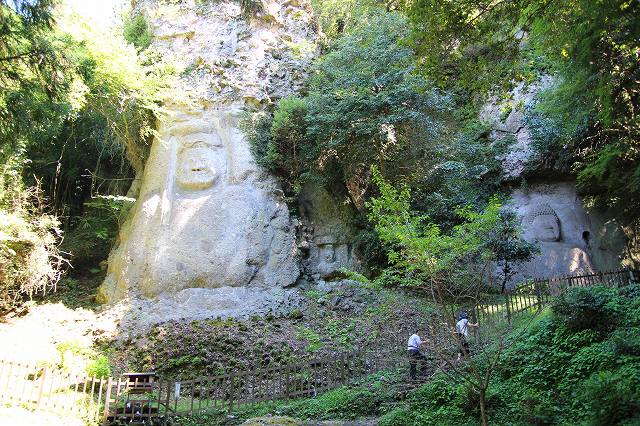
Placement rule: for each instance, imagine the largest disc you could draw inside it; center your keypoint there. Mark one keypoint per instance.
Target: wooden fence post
(42, 383)
(106, 401)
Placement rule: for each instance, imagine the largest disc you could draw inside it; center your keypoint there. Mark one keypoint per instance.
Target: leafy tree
(448, 264)
(592, 47)
(72, 104)
(417, 245)
(337, 17)
(507, 246)
(364, 106)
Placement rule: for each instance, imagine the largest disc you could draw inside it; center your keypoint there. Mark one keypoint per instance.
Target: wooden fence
(113, 401)
(533, 295)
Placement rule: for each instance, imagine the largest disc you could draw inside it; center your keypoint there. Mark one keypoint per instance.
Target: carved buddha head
(542, 224)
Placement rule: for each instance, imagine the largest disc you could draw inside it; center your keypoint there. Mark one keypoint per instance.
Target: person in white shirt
(462, 333)
(413, 350)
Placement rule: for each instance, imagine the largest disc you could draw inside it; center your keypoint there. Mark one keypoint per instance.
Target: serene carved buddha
(543, 224)
(560, 254)
(206, 216)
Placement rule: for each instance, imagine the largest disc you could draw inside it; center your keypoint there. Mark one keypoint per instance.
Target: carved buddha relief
(213, 222)
(542, 224)
(560, 254)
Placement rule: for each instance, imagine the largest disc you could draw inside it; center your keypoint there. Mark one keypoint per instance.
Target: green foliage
(587, 122)
(507, 246)
(91, 237)
(72, 103)
(355, 276)
(314, 343)
(550, 374)
(364, 106)
(337, 17)
(136, 31)
(614, 396)
(340, 332)
(287, 151)
(588, 308)
(417, 245)
(30, 261)
(99, 367)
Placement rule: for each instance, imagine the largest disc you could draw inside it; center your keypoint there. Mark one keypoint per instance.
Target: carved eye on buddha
(196, 166)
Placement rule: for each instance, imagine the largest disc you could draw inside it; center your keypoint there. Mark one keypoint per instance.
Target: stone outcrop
(326, 237)
(573, 239)
(206, 216)
(506, 119)
(210, 231)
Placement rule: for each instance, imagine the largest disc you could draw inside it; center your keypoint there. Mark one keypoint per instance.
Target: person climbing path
(462, 334)
(415, 356)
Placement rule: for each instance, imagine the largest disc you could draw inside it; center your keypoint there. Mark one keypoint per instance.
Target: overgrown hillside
(577, 363)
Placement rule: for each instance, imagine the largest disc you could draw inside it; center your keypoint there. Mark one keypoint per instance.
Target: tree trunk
(483, 409)
(505, 271)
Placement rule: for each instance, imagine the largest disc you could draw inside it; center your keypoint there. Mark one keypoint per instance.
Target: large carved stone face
(196, 165)
(546, 228)
(543, 224)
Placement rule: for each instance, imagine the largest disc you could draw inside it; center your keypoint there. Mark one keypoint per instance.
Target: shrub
(136, 31)
(613, 396)
(99, 367)
(587, 308)
(30, 261)
(92, 236)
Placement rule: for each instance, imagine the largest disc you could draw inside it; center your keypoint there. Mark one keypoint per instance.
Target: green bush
(99, 367)
(92, 235)
(137, 32)
(613, 397)
(30, 261)
(593, 308)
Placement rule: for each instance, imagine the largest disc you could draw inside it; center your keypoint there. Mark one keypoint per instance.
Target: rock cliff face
(209, 225)
(573, 239)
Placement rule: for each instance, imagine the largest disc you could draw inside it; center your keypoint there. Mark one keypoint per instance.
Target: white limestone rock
(210, 228)
(515, 160)
(573, 239)
(206, 216)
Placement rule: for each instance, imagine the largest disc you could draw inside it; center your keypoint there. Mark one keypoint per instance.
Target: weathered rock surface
(206, 216)
(506, 119)
(326, 240)
(572, 238)
(202, 303)
(210, 234)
